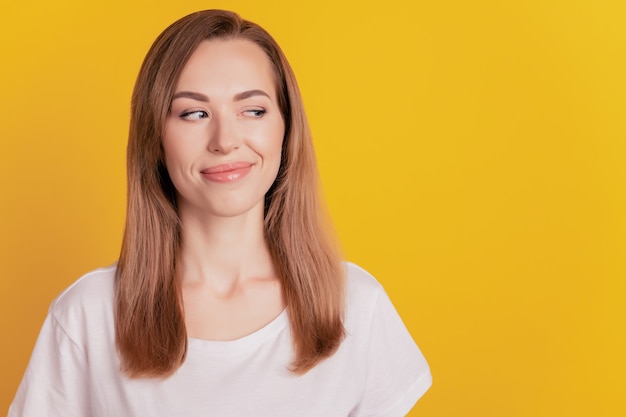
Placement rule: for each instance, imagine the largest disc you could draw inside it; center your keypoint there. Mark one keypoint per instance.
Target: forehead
(224, 65)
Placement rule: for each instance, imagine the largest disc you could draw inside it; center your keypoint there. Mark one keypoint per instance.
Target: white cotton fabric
(378, 371)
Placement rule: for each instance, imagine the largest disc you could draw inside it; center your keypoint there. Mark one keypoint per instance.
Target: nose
(223, 136)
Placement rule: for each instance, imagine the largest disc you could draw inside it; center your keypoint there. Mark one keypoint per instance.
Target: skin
(224, 115)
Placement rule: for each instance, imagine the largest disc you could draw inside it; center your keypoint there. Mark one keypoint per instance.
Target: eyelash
(201, 114)
(187, 115)
(257, 113)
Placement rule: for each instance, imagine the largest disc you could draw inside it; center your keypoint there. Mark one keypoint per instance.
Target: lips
(226, 173)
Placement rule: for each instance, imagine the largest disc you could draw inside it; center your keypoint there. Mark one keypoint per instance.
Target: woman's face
(224, 132)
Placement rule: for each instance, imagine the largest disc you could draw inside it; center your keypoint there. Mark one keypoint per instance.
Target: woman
(229, 297)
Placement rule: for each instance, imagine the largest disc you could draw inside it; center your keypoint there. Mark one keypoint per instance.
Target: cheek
(175, 147)
(176, 151)
(277, 159)
(267, 141)
(278, 135)
(176, 162)
(270, 151)
(169, 154)
(275, 150)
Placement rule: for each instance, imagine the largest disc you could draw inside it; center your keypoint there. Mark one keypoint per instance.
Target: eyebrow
(201, 97)
(250, 93)
(192, 95)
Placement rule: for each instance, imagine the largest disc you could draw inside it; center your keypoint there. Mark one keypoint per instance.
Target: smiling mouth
(233, 166)
(226, 173)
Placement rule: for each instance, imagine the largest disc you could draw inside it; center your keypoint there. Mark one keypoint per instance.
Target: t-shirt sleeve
(55, 380)
(398, 375)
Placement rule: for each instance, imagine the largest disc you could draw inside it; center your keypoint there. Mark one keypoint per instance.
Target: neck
(223, 251)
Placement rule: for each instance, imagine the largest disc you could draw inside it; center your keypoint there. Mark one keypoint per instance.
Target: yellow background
(472, 153)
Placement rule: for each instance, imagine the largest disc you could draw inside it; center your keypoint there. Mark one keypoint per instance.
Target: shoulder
(363, 295)
(361, 285)
(397, 372)
(92, 286)
(90, 295)
(77, 337)
(356, 274)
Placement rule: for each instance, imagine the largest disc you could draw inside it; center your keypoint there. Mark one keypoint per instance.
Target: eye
(256, 113)
(194, 115)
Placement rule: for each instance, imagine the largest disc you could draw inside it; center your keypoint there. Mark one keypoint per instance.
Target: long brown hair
(149, 317)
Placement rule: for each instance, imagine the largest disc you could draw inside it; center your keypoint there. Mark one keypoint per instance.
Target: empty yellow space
(473, 155)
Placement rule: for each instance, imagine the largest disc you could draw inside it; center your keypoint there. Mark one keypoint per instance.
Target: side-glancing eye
(194, 115)
(256, 113)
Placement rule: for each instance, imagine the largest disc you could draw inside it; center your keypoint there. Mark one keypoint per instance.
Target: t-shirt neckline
(248, 342)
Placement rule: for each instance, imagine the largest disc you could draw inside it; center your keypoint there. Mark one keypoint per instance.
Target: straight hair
(149, 314)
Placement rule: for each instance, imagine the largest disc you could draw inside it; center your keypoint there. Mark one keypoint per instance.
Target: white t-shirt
(74, 369)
